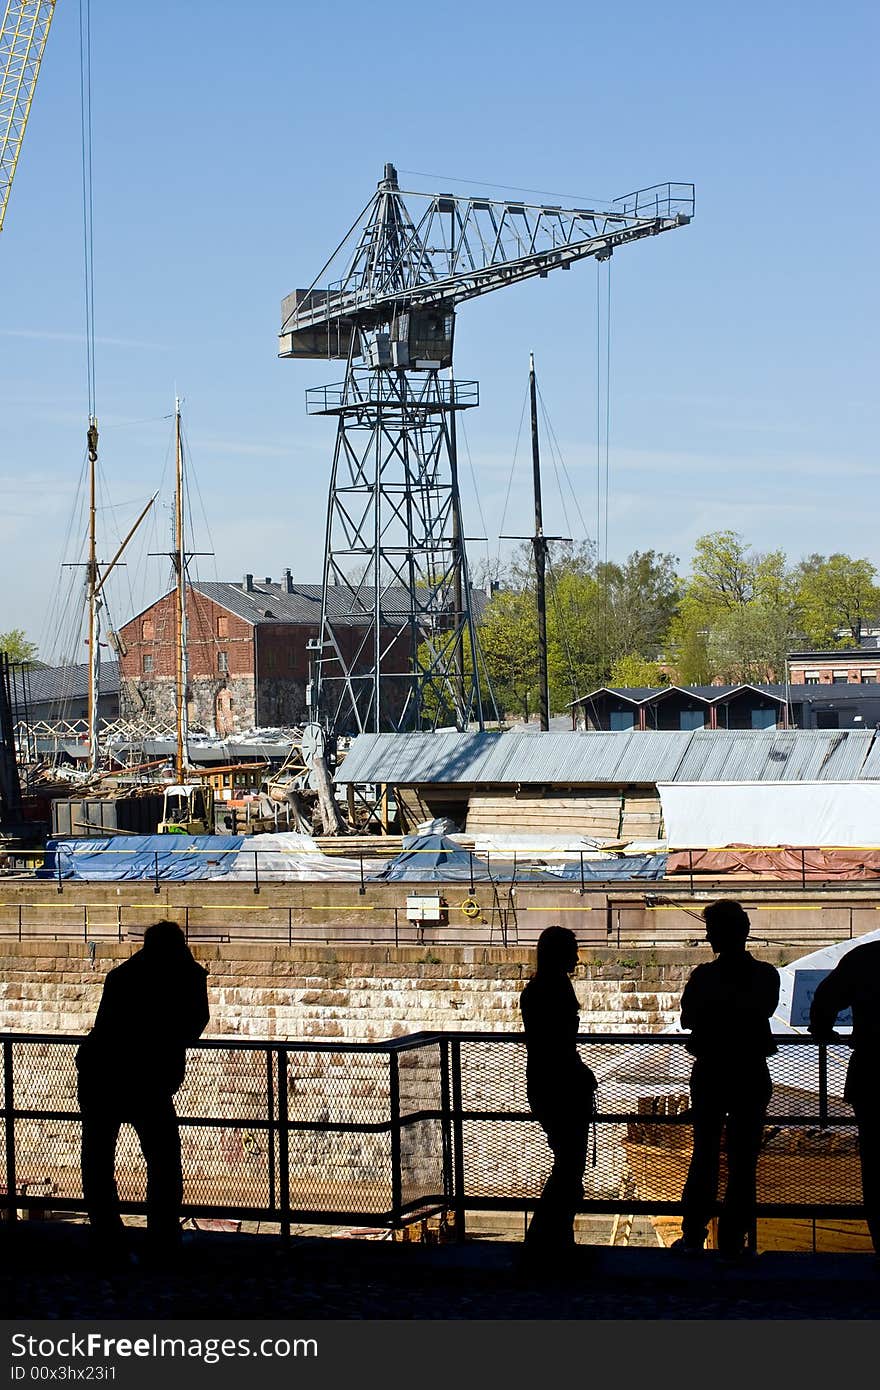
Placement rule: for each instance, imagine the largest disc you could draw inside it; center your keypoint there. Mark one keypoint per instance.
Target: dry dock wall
(649, 915)
(354, 993)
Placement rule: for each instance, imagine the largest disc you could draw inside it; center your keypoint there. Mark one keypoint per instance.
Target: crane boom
(398, 646)
(458, 248)
(23, 36)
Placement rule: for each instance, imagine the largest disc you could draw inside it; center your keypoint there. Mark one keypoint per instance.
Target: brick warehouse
(248, 666)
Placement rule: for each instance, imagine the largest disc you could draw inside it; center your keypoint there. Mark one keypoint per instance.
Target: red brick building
(853, 666)
(247, 661)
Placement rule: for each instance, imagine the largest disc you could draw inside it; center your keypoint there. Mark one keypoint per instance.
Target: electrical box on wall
(430, 910)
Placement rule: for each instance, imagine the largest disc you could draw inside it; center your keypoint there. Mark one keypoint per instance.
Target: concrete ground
(48, 1272)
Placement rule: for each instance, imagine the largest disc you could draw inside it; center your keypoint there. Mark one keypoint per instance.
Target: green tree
(17, 647)
(639, 600)
(738, 616)
(835, 595)
(509, 642)
(635, 671)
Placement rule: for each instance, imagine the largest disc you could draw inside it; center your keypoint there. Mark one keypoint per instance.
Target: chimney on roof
(248, 584)
(268, 579)
(288, 581)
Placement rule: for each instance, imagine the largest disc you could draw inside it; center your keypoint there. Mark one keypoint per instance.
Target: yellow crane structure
(23, 36)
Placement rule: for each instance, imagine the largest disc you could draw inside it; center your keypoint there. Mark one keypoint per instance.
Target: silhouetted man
(727, 1004)
(855, 983)
(152, 1008)
(560, 1088)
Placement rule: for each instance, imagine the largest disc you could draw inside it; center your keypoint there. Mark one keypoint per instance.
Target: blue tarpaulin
(437, 859)
(144, 857)
(652, 866)
(432, 859)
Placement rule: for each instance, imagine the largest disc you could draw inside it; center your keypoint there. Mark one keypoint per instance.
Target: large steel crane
(23, 36)
(397, 648)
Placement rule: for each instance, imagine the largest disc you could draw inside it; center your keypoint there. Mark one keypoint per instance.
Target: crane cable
(85, 88)
(603, 467)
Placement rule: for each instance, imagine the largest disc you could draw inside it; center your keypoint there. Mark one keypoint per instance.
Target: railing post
(256, 872)
(9, 1112)
(58, 862)
(186, 921)
(471, 869)
(583, 887)
(19, 922)
(396, 935)
(156, 870)
(283, 1144)
(446, 1124)
(691, 870)
(823, 1085)
(458, 1143)
(290, 926)
(803, 868)
(362, 889)
(394, 1107)
(270, 1109)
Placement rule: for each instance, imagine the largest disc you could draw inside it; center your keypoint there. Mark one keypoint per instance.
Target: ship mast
(179, 559)
(539, 543)
(94, 603)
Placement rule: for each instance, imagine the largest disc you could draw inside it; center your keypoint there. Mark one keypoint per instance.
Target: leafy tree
(738, 616)
(642, 599)
(17, 647)
(833, 594)
(635, 671)
(509, 641)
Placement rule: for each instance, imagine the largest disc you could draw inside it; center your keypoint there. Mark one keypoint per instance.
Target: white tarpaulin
(288, 856)
(710, 815)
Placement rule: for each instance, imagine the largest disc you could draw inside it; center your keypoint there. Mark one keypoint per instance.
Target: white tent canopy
(710, 815)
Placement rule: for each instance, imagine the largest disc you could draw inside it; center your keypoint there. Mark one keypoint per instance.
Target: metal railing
(381, 1134)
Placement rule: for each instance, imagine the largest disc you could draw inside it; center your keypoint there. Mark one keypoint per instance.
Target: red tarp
(786, 862)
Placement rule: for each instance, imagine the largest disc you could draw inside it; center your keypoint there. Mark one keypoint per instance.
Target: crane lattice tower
(398, 648)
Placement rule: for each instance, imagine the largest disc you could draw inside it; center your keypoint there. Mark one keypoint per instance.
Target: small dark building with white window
(798, 706)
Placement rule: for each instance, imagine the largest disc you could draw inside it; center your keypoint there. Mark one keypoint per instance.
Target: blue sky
(232, 149)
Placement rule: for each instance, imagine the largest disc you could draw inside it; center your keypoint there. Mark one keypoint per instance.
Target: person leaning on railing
(561, 1092)
(727, 1005)
(855, 983)
(153, 1006)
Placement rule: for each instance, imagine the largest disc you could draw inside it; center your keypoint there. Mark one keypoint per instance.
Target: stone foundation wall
(356, 993)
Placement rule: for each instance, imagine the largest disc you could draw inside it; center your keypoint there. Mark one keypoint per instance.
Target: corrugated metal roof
(42, 685)
(871, 766)
(780, 755)
(565, 758)
(634, 757)
(271, 603)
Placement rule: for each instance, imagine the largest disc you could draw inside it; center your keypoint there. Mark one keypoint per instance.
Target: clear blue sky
(234, 145)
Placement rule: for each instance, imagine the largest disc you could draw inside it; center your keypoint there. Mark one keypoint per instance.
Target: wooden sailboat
(95, 582)
(187, 804)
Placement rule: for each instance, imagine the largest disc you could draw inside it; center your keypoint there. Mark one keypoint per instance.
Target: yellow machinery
(188, 809)
(23, 35)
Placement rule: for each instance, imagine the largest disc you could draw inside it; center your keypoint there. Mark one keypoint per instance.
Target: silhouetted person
(855, 983)
(560, 1088)
(727, 1004)
(153, 1006)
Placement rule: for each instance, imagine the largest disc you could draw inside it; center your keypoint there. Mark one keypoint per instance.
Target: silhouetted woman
(561, 1090)
(153, 1006)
